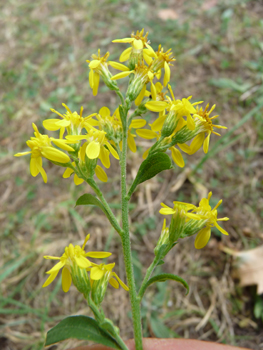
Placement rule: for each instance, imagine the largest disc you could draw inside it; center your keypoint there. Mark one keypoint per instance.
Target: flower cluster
(188, 219)
(182, 125)
(75, 266)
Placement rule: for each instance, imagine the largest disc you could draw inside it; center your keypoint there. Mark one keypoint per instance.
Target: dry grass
(44, 46)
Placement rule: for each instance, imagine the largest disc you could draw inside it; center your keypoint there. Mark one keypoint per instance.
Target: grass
(44, 47)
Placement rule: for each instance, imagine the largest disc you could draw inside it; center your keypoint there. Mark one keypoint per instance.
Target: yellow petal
(156, 106)
(104, 112)
(67, 173)
(146, 134)
(158, 123)
(221, 229)
(93, 150)
(94, 64)
(98, 255)
(202, 238)
(20, 154)
(100, 173)
(147, 58)
(190, 123)
(206, 143)
(42, 172)
(91, 78)
(120, 281)
(121, 75)
(96, 273)
(197, 142)
(114, 283)
(33, 166)
(118, 66)
(185, 148)
(96, 82)
(105, 157)
(112, 150)
(62, 144)
(66, 279)
(166, 211)
(56, 268)
(77, 180)
(167, 73)
(153, 91)
(145, 154)
(51, 124)
(50, 279)
(137, 123)
(125, 40)
(56, 155)
(82, 262)
(140, 97)
(137, 44)
(131, 143)
(125, 55)
(177, 157)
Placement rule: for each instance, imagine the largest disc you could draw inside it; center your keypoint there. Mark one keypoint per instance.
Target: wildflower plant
(85, 147)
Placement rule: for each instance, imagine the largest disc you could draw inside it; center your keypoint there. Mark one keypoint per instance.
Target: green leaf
(150, 167)
(81, 328)
(162, 277)
(89, 199)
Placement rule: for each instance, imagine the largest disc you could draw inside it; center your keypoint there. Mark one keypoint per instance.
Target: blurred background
(218, 47)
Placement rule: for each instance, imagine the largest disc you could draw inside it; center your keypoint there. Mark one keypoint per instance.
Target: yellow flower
(96, 145)
(205, 126)
(177, 108)
(72, 121)
(180, 208)
(162, 60)
(205, 212)
(140, 47)
(99, 67)
(97, 272)
(41, 147)
(151, 134)
(72, 255)
(142, 76)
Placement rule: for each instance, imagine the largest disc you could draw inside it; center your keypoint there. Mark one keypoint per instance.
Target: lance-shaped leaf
(150, 167)
(162, 278)
(81, 328)
(89, 199)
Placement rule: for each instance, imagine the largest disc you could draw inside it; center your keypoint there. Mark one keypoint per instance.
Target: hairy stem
(147, 276)
(126, 244)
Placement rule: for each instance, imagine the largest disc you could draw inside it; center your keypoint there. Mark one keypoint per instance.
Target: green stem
(98, 192)
(120, 96)
(147, 276)
(105, 323)
(126, 244)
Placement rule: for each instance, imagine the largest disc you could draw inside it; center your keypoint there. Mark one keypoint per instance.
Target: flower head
(139, 50)
(176, 108)
(163, 60)
(99, 67)
(95, 146)
(205, 212)
(41, 146)
(103, 271)
(71, 121)
(72, 257)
